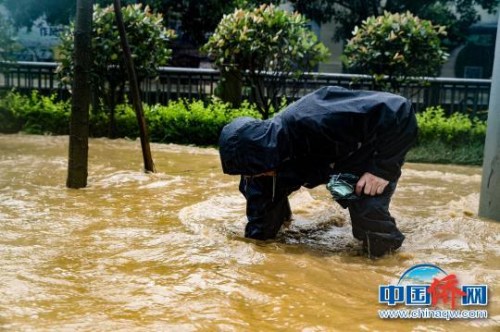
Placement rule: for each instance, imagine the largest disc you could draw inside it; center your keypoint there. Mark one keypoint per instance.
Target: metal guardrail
(28, 75)
(455, 95)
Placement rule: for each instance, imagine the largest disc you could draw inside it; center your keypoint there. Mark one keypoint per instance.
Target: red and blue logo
(429, 285)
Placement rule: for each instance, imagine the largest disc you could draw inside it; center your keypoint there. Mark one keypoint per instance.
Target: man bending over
(330, 131)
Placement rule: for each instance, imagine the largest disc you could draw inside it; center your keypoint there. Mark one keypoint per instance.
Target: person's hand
(370, 184)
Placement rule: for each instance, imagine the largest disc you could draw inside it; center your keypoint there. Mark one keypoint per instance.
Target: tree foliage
(7, 42)
(198, 18)
(149, 42)
(265, 40)
(456, 15)
(397, 46)
(24, 12)
(148, 38)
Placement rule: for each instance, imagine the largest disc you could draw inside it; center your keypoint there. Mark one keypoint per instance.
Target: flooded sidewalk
(164, 251)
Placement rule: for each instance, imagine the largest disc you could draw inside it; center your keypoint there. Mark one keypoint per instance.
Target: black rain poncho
(332, 130)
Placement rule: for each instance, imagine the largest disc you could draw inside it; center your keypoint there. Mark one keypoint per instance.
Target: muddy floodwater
(164, 251)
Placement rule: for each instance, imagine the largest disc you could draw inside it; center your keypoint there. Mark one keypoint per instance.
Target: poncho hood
(249, 146)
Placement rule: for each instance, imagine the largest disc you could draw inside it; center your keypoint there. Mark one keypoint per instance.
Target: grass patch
(437, 152)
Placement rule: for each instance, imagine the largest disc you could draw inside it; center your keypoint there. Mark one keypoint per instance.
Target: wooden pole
(489, 201)
(134, 89)
(80, 102)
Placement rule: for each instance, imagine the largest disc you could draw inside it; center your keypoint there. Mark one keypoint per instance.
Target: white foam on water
(121, 178)
(454, 237)
(161, 184)
(315, 222)
(441, 176)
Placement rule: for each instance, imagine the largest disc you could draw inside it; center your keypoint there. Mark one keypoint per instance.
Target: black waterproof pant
(371, 221)
(267, 209)
(373, 224)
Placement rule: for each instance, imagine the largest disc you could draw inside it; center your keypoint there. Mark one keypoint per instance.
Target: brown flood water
(163, 252)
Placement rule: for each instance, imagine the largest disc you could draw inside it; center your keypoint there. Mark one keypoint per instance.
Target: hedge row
(444, 139)
(456, 139)
(183, 122)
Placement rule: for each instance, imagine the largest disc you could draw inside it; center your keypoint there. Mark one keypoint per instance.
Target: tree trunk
(134, 89)
(230, 87)
(259, 93)
(79, 123)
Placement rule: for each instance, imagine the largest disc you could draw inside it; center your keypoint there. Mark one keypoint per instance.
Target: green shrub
(248, 43)
(126, 122)
(34, 114)
(182, 121)
(148, 38)
(149, 42)
(99, 125)
(456, 130)
(442, 139)
(455, 139)
(193, 122)
(10, 106)
(398, 45)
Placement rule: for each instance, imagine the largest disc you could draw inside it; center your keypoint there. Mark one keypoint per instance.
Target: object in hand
(342, 186)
